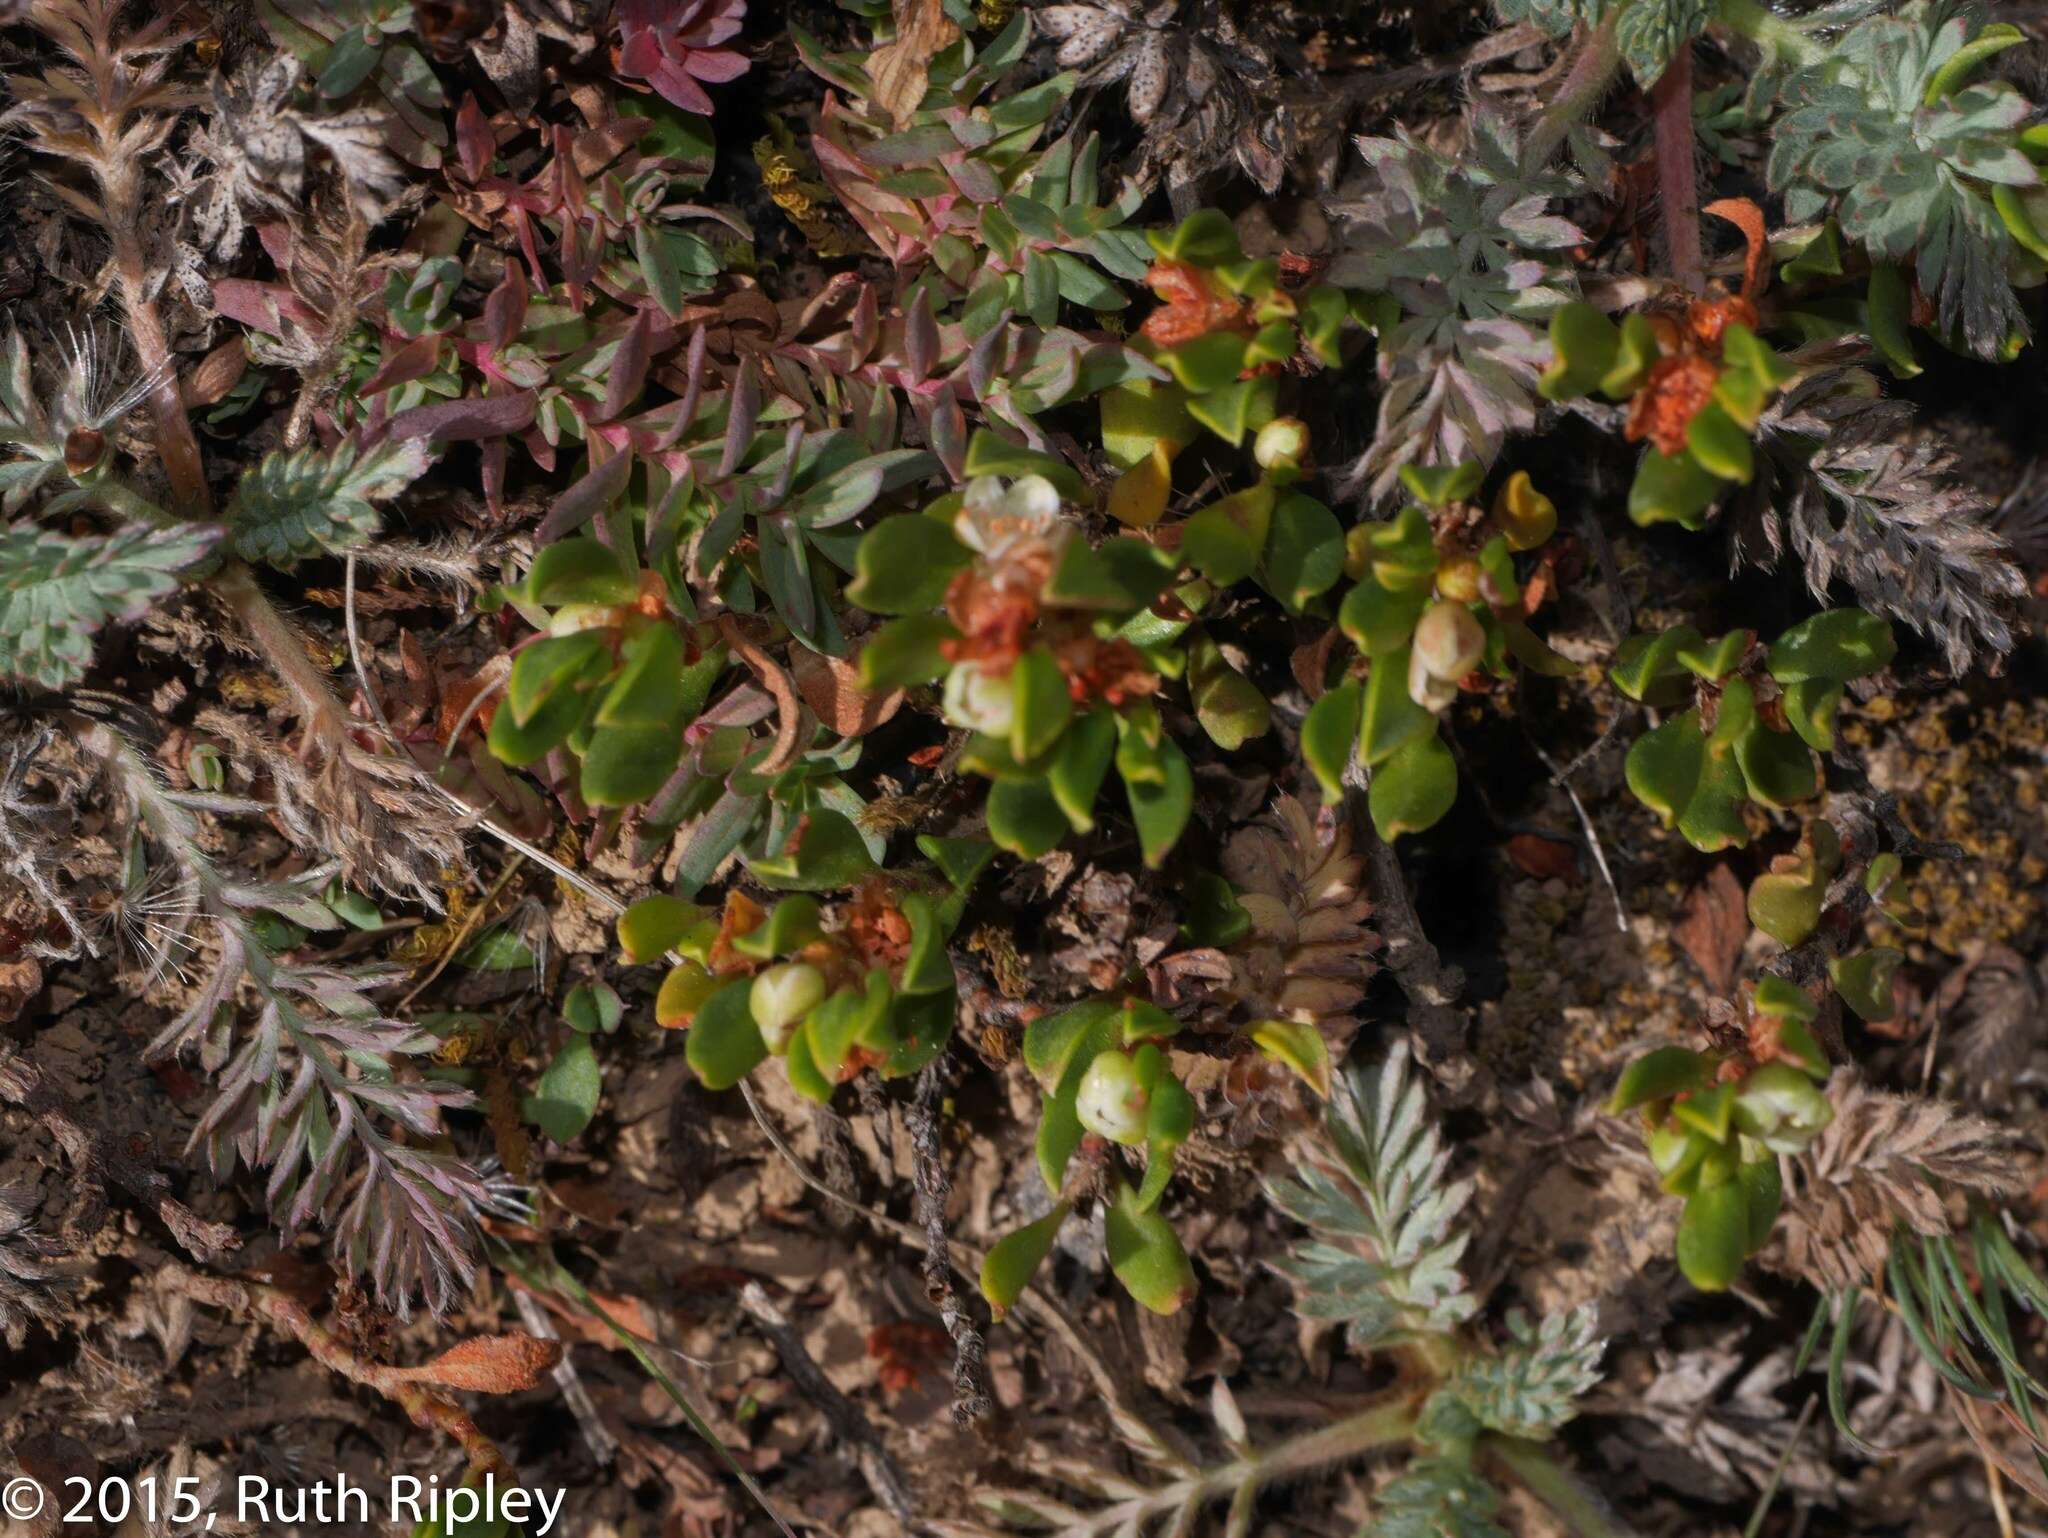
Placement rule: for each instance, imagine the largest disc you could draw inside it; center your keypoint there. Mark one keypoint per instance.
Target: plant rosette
(864, 985)
(1107, 1082)
(1715, 1122)
(1438, 604)
(1041, 642)
(1758, 717)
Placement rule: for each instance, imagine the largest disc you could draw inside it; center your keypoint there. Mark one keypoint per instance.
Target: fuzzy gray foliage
(319, 1089)
(1463, 245)
(1385, 1254)
(27, 1280)
(1845, 487)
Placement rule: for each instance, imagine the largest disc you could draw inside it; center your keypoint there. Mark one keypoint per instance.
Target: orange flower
(742, 916)
(876, 928)
(1113, 671)
(1670, 398)
(994, 620)
(1708, 320)
(1196, 304)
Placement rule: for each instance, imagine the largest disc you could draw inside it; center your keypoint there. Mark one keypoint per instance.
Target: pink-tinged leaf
(742, 414)
(492, 416)
(715, 66)
(920, 337)
(505, 309)
(275, 236)
(945, 429)
(475, 144)
(977, 183)
(866, 325)
(599, 487)
(640, 56)
(415, 360)
(264, 306)
(679, 89)
(628, 370)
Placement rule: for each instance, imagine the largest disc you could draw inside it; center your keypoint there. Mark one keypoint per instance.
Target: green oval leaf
(1414, 789)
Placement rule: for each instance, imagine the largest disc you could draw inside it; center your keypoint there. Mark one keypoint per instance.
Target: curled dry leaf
(831, 687)
(20, 980)
(1544, 858)
(899, 70)
(489, 1364)
(1715, 926)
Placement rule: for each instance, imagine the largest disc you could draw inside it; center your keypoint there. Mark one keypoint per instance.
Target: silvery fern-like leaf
(319, 1091)
(1436, 1498)
(1908, 178)
(1464, 245)
(1385, 1256)
(1557, 17)
(57, 590)
(1533, 1386)
(1845, 487)
(310, 501)
(1650, 33)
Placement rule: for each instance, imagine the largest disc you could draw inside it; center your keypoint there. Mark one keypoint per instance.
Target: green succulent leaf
(1713, 1236)
(1413, 790)
(1656, 1076)
(565, 1098)
(1865, 981)
(1833, 647)
(1329, 737)
(724, 1043)
(1015, 1258)
(904, 565)
(1146, 1254)
(1304, 553)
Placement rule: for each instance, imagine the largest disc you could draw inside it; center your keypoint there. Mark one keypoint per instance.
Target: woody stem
(1677, 180)
(1592, 71)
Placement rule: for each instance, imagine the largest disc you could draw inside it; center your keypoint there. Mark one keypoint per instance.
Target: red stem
(1677, 184)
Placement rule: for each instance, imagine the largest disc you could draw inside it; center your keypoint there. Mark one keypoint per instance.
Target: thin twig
(1562, 780)
(470, 921)
(932, 1184)
(841, 1414)
(401, 1385)
(597, 1436)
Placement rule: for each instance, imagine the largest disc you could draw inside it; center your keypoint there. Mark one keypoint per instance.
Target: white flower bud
(1110, 1102)
(780, 999)
(979, 700)
(1281, 443)
(1448, 641)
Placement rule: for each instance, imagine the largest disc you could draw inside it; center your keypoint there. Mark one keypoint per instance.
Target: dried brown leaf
(1885, 1160)
(900, 69)
(1715, 925)
(1545, 859)
(489, 1364)
(831, 687)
